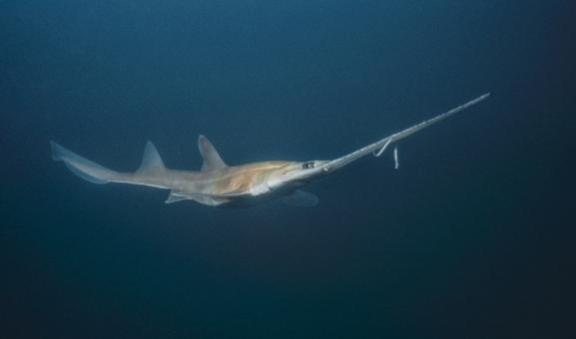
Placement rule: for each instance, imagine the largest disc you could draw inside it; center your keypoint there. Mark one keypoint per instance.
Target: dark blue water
(472, 238)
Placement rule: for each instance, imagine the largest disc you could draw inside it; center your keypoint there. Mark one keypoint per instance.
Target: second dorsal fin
(210, 156)
(151, 160)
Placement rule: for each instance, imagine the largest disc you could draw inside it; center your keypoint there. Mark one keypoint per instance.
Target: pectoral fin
(300, 198)
(176, 197)
(204, 199)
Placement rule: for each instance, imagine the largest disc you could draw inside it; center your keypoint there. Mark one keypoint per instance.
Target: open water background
(472, 238)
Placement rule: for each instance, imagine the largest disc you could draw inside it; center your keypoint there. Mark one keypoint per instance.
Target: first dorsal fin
(212, 159)
(151, 161)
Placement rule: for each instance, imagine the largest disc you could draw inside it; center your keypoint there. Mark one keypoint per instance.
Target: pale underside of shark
(218, 184)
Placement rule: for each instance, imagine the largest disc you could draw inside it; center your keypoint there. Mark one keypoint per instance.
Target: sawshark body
(218, 184)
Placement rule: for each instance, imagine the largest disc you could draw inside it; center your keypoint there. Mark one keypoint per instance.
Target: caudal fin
(82, 167)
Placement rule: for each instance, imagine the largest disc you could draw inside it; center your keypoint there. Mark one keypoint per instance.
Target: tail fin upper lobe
(82, 167)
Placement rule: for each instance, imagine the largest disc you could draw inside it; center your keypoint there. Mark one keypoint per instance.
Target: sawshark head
(296, 174)
(257, 178)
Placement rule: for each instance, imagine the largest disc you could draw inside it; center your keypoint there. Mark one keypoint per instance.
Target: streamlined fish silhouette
(218, 184)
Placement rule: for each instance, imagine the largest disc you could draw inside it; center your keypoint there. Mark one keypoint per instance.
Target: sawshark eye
(307, 165)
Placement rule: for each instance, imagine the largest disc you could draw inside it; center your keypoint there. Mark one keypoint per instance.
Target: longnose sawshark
(218, 184)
